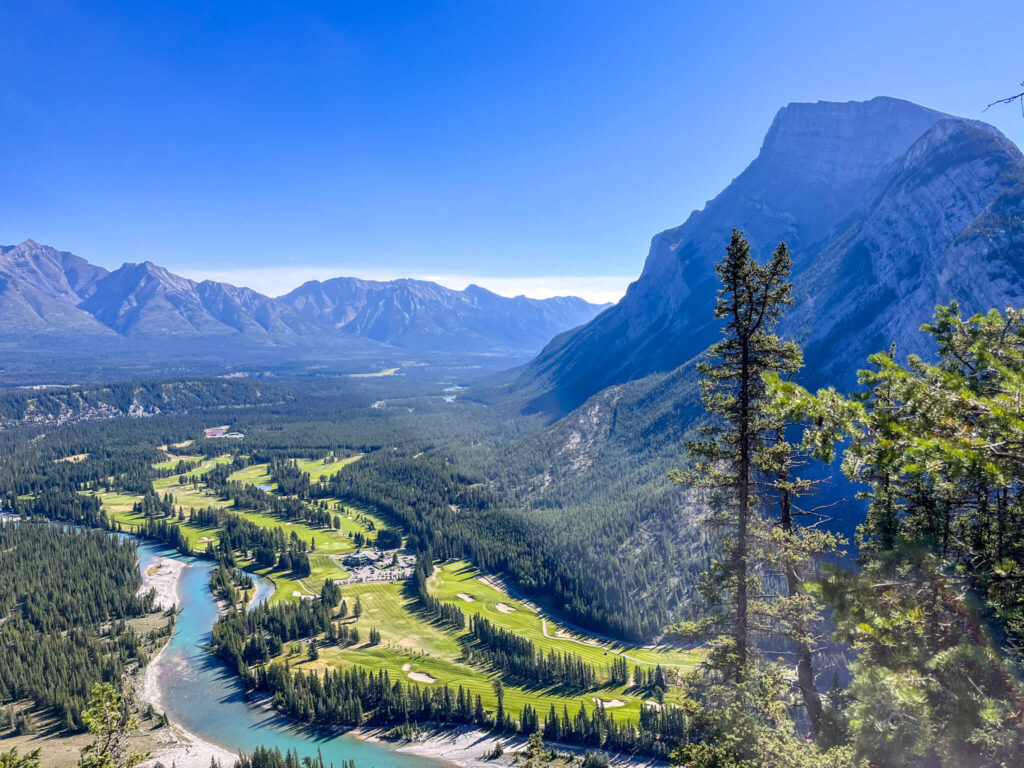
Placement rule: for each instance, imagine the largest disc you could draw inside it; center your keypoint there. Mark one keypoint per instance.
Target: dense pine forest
(931, 609)
(63, 630)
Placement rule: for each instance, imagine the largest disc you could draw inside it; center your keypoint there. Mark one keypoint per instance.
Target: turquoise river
(199, 693)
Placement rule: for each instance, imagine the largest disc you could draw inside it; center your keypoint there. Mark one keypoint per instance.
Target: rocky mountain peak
(844, 142)
(876, 199)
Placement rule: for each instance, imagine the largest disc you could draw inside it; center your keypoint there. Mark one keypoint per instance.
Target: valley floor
(412, 645)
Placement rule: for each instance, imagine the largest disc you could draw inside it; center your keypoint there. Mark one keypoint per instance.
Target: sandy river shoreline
(178, 747)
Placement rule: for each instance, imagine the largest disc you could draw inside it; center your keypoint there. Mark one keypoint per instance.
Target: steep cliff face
(945, 221)
(878, 201)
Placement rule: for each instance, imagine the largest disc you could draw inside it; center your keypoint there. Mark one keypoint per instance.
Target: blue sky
(528, 146)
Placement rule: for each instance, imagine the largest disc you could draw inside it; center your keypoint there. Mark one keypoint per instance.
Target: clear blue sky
(517, 143)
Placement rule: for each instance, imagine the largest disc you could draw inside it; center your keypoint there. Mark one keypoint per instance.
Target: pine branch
(1009, 100)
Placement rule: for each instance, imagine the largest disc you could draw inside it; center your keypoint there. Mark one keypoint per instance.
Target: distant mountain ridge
(411, 313)
(889, 208)
(45, 291)
(40, 289)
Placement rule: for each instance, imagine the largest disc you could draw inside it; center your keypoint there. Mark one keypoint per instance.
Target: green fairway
(254, 474)
(328, 541)
(319, 468)
(205, 466)
(186, 496)
(412, 645)
(455, 582)
(118, 507)
(173, 462)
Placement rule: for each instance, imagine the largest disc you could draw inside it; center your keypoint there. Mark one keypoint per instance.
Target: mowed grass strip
(319, 468)
(254, 474)
(118, 507)
(172, 462)
(328, 541)
(453, 582)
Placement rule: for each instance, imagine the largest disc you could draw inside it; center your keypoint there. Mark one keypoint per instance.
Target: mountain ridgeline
(417, 313)
(889, 208)
(50, 292)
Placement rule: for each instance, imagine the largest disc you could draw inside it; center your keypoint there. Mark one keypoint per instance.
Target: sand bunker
(78, 457)
(421, 677)
(504, 608)
(609, 704)
(653, 705)
(406, 667)
(465, 597)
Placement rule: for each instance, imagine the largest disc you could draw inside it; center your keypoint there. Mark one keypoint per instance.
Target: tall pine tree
(750, 303)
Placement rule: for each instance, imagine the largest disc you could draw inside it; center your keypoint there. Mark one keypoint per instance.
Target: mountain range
(416, 313)
(46, 291)
(890, 208)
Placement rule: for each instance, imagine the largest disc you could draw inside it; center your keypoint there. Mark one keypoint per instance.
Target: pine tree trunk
(804, 660)
(1001, 525)
(740, 554)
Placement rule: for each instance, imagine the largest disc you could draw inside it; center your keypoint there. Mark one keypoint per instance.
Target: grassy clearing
(320, 468)
(375, 374)
(254, 474)
(74, 459)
